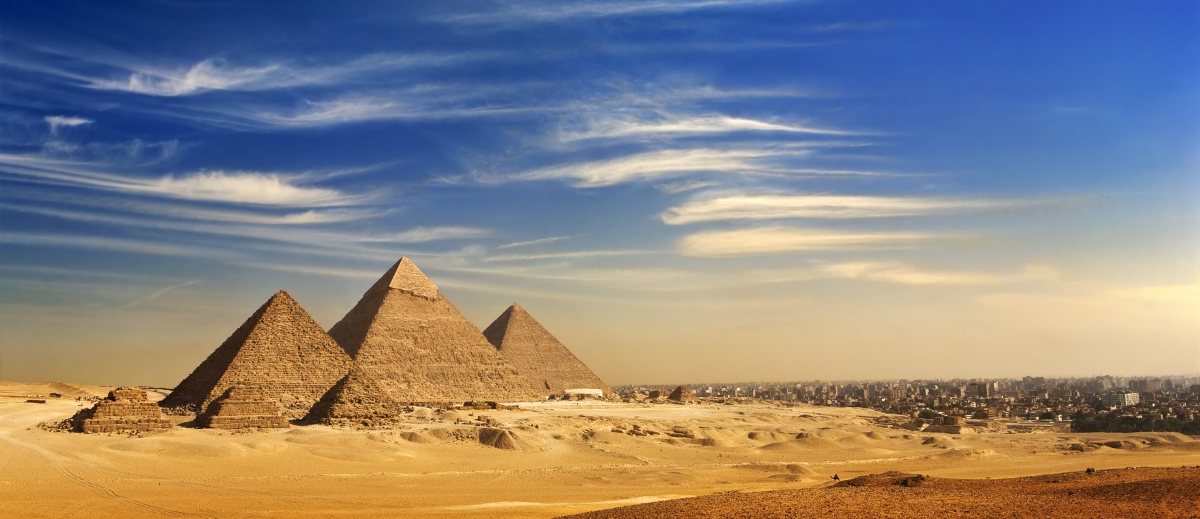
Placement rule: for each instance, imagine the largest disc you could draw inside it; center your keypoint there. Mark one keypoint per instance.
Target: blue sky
(681, 191)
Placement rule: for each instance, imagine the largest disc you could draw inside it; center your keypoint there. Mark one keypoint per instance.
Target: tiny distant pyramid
(417, 347)
(280, 351)
(356, 399)
(538, 355)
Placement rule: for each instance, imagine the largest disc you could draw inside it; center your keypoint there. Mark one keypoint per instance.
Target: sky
(679, 190)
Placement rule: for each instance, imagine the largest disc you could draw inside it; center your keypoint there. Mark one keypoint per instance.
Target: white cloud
(683, 186)
(614, 128)
(538, 241)
(905, 274)
(242, 187)
(653, 165)
(772, 240)
(102, 243)
(216, 186)
(55, 121)
(426, 234)
(777, 206)
(569, 255)
(547, 12)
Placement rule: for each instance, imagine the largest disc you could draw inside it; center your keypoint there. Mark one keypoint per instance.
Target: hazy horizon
(678, 190)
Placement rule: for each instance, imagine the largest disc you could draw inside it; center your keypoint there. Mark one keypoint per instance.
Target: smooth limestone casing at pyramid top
(538, 355)
(280, 350)
(415, 345)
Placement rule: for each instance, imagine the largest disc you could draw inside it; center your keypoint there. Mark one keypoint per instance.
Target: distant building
(1120, 398)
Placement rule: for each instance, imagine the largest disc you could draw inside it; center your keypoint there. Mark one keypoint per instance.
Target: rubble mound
(243, 407)
(498, 438)
(126, 409)
(683, 395)
(280, 350)
(356, 400)
(418, 348)
(884, 480)
(538, 355)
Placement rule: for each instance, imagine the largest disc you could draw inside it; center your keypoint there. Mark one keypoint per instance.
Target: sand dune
(547, 459)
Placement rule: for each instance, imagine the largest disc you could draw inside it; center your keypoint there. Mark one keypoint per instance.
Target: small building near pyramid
(280, 350)
(406, 337)
(243, 407)
(540, 357)
(125, 410)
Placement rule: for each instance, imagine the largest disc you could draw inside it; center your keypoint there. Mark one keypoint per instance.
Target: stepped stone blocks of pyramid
(243, 407)
(125, 410)
(683, 395)
(280, 350)
(538, 355)
(419, 349)
(356, 400)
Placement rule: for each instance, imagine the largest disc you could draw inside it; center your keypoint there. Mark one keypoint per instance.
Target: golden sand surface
(566, 459)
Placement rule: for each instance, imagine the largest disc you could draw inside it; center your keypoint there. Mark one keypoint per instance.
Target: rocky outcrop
(126, 409)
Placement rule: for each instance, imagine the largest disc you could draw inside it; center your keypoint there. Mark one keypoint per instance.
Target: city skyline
(677, 190)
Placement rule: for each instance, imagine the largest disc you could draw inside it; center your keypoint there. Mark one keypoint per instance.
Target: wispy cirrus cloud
(57, 121)
(653, 165)
(907, 274)
(427, 234)
(246, 187)
(780, 206)
(774, 240)
(538, 241)
(609, 128)
(75, 241)
(220, 74)
(570, 254)
(525, 12)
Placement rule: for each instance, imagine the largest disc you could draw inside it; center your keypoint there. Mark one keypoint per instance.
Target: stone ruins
(125, 410)
(683, 395)
(280, 350)
(538, 355)
(419, 349)
(355, 400)
(243, 407)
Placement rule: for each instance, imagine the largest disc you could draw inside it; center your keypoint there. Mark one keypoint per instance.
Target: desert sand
(561, 458)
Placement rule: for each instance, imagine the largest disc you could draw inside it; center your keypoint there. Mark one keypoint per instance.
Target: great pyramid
(417, 347)
(279, 350)
(538, 355)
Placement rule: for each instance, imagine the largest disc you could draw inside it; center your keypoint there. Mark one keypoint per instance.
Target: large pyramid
(415, 345)
(279, 349)
(538, 355)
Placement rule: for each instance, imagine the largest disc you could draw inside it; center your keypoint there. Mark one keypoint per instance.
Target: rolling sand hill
(542, 460)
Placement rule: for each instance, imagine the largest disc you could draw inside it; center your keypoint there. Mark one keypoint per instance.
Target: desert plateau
(556, 458)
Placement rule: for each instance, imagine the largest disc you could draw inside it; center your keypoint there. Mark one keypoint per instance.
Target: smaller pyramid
(538, 355)
(125, 410)
(243, 407)
(683, 395)
(280, 350)
(356, 400)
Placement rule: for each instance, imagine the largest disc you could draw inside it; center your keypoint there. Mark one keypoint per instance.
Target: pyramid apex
(406, 277)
